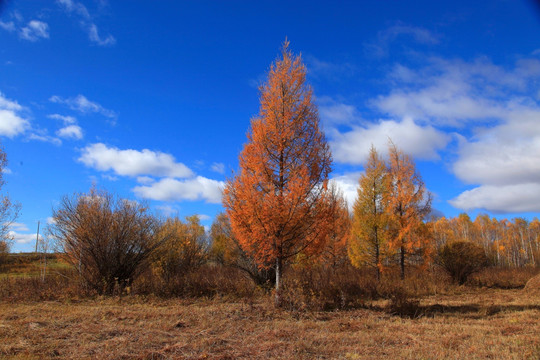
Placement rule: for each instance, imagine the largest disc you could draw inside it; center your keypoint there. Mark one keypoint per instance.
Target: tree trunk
(402, 262)
(377, 262)
(279, 269)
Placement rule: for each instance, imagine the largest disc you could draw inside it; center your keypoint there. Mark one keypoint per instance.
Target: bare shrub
(461, 259)
(107, 239)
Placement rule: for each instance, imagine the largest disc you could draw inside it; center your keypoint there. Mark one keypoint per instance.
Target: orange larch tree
(334, 252)
(408, 206)
(278, 202)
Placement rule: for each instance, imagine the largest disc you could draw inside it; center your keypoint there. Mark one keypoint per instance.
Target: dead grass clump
(533, 285)
(62, 285)
(323, 289)
(207, 281)
(503, 278)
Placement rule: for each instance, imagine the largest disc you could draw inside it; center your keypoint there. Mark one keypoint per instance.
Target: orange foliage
(409, 205)
(277, 203)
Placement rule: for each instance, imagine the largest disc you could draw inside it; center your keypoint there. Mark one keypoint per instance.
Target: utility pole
(37, 237)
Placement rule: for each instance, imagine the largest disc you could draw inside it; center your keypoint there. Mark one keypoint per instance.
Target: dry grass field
(469, 324)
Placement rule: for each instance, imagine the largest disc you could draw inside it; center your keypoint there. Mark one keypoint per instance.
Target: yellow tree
(277, 203)
(408, 206)
(442, 232)
(185, 247)
(369, 243)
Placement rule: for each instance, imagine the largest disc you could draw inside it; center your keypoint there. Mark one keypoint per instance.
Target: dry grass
(471, 324)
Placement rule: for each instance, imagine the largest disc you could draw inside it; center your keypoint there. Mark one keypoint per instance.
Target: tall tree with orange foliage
(408, 206)
(334, 252)
(278, 202)
(369, 242)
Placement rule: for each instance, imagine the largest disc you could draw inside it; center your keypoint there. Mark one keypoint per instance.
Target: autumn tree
(369, 241)
(226, 250)
(277, 203)
(185, 247)
(9, 211)
(334, 252)
(106, 238)
(409, 204)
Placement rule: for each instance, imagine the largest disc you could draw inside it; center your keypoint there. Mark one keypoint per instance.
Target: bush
(184, 250)
(107, 239)
(461, 259)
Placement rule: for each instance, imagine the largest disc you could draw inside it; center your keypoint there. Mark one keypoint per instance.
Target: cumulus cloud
(168, 189)
(35, 30)
(421, 142)
(495, 109)
(505, 161)
(16, 233)
(11, 121)
(501, 199)
(70, 132)
(454, 92)
(348, 183)
(73, 7)
(132, 162)
(81, 104)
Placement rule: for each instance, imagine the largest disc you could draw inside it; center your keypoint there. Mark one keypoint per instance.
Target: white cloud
(41, 135)
(203, 217)
(81, 104)
(453, 92)
(8, 26)
(421, 142)
(35, 30)
(380, 47)
(23, 238)
(15, 226)
(501, 199)
(168, 210)
(67, 120)
(334, 113)
(93, 34)
(348, 183)
(145, 180)
(15, 230)
(86, 22)
(11, 122)
(132, 162)
(199, 188)
(218, 167)
(70, 132)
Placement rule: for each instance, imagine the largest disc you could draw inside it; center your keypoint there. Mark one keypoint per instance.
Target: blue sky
(154, 102)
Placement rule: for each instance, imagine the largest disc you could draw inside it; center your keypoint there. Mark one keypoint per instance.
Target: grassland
(466, 322)
(472, 324)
